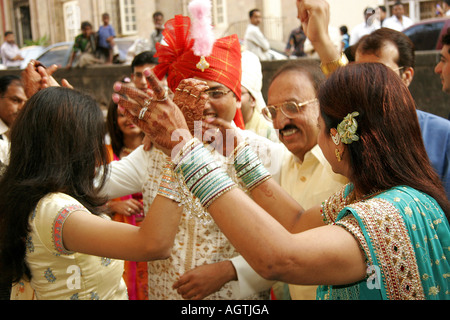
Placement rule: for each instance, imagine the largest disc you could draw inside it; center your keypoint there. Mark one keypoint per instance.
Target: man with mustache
(305, 173)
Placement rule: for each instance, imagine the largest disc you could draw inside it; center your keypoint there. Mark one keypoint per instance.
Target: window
(72, 19)
(128, 17)
(219, 13)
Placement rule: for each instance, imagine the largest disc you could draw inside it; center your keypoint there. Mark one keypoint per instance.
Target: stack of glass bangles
(207, 180)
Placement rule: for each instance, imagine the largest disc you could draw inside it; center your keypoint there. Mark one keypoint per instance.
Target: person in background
(125, 138)
(141, 62)
(86, 45)
(10, 52)
(252, 101)
(296, 42)
(12, 100)
(157, 36)
(254, 39)
(106, 43)
(382, 14)
(367, 27)
(443, 67)
(345, 38)
(446, 8)
(396, 50)
(398, 21)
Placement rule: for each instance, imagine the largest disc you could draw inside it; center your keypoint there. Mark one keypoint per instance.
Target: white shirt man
(398, 21)
(254, 39)
(10, 52)
(369, 25)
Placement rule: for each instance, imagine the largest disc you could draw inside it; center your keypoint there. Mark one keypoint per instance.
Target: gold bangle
(330, 67)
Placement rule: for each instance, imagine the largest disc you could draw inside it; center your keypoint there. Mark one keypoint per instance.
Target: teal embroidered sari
(406, 239)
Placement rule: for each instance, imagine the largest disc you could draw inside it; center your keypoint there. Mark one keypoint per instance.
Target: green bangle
(204, 178)
(249, 168)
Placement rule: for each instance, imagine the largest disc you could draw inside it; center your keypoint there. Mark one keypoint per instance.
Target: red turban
(178, 62)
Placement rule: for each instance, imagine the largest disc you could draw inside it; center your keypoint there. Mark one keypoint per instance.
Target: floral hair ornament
(347, 130)
(202, 31)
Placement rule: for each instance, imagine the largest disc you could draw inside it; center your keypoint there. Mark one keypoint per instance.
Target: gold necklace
(127, 150)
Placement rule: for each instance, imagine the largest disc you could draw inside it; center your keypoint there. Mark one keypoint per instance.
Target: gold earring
(338, 155)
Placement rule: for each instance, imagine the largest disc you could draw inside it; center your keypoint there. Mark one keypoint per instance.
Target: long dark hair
(114, 131)
(390, 151)
(57, 145)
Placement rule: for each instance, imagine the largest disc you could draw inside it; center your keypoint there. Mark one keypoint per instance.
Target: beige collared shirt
(310, 182)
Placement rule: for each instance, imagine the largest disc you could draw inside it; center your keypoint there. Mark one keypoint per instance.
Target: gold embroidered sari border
(393, 248)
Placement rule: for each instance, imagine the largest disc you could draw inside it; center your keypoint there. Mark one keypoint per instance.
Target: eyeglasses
(290, 109)
(217, 94)
(399, 69)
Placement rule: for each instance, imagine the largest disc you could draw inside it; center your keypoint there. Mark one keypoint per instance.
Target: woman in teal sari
(384, 236)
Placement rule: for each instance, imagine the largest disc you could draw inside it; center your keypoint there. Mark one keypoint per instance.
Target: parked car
(59, 53)
(29, 53)
(427, 34)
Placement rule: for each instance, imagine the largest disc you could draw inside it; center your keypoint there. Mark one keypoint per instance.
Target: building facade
(60, 20)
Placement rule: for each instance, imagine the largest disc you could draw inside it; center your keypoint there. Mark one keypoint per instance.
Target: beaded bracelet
(249, 168)
(204, 178)
(168, 186)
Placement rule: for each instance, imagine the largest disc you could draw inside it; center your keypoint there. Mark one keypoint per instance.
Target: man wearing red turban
(198, 241)
(177, 60)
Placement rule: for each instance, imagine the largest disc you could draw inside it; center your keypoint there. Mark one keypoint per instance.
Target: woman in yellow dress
(54, 240)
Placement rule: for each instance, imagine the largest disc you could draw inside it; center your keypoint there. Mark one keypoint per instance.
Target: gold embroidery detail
(408, 211)
(434, 291)
(392, 244)
(389, 238)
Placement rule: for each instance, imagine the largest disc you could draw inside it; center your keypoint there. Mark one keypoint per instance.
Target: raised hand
(155, 113)
(36, 77)
(315, 18)
(191, 98)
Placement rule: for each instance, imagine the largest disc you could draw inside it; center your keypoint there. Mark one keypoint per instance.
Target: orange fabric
(239, 119)
(178, 61)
